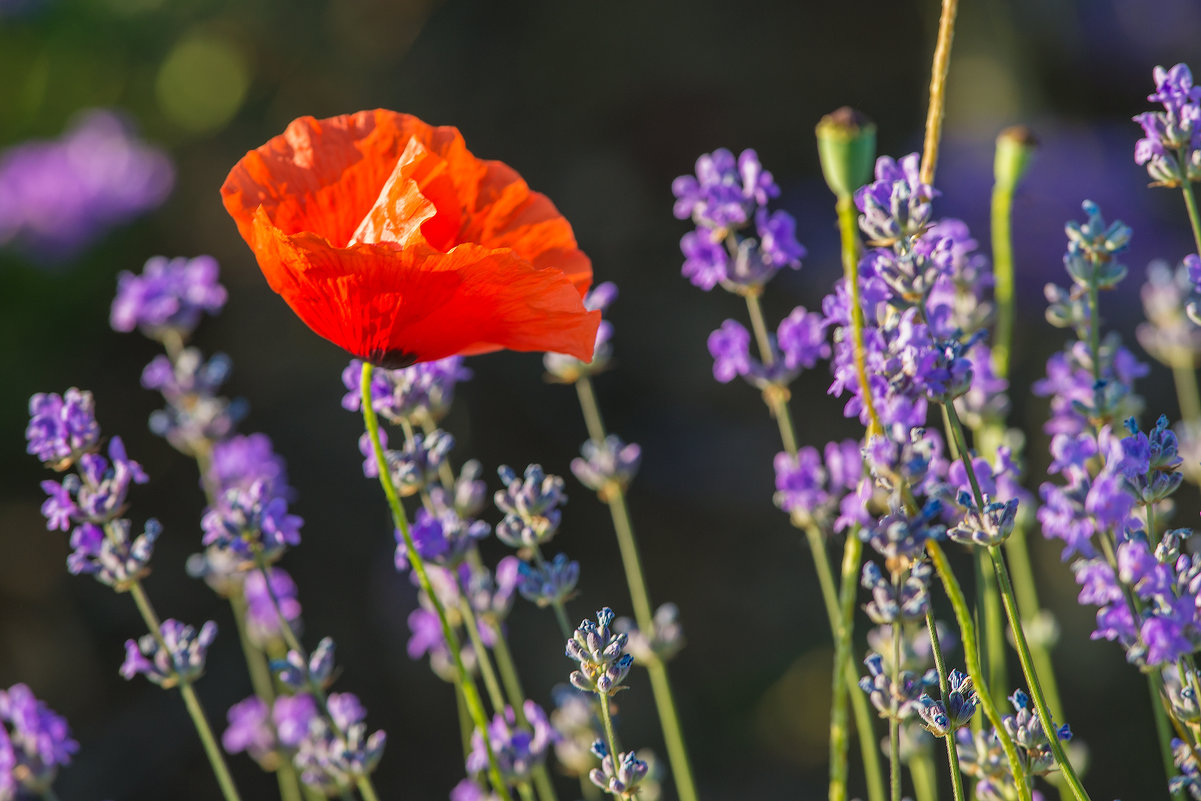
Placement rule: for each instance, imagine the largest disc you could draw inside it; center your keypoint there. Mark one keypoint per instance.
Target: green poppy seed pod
(846, 147)
(1015, 146)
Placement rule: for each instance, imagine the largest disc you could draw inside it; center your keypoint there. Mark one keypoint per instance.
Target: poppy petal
(418, 304)
(390, 239)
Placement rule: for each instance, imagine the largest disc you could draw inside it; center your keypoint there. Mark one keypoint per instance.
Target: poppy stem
(627, 544)
(471, 695)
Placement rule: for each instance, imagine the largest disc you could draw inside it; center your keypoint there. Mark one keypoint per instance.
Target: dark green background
(599, 105)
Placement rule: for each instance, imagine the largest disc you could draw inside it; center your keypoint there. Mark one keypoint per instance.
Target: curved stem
(944, 689)
(849, 233)
(938, 89)
(971, 658)
(483, 659)
(471, 695)
(195, 710)
(774, 396)
(1194, 218)
(590, 409)
(1036, 691)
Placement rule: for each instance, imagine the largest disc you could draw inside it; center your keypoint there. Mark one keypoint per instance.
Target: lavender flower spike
(181, 660)
(34, 743)
(168, 298)
(601, 654)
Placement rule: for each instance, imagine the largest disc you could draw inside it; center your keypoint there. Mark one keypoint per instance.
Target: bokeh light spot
(201, 83)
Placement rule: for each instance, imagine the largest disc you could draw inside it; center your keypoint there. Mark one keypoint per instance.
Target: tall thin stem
(940, 663)
(938, 89)
(627, 545)
(471, 696)
(1194, 217)
(848, 228)
(971, 658)
(195, 710)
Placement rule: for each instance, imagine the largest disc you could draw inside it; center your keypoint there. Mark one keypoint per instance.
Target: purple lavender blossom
(181, 660)
(660, 642)
(300, 672)
(602, 466)
(264, 608)
(894, 699)
(238, 462)
(116, 559)
(1169, 335)
(891, 602)
(1171, 137)
(415, 466)
(196, 416)
(441, 537)
(600, 652)
(548, 583)
(292, 715)
(801, 337)
(724, 198)
(621, 777)
(730, 348)
(897, 203)
(531, 506)
(59, 196)
(954, 712)
(330, 759)
(250, 730)
(168, 298)
(518, 750)
(97, 494)
(423, 391)
(62, 427)
(34, 743)
(250, 520)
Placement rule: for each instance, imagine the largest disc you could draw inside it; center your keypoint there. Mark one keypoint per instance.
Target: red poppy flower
(389, 238)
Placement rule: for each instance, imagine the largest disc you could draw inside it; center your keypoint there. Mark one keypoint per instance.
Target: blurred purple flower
(168, 295)
(58, 196)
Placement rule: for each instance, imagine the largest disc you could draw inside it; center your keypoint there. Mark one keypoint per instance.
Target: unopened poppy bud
(1015, 147)
(846, 147)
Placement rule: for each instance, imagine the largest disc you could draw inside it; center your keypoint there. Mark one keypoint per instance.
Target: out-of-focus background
(599, 105)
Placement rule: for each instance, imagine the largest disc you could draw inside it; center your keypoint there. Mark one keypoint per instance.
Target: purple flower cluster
(335, 752)
(62, 427)
(658, 643)
(269, 736)
(178, 658)
(168, 298)
(621, 777)
(531, 506)
(725, 197)
(517, 749)
(196, 416)
(982, 757)
(412, 394)
(441, 536)
(895, 698)
(34, 743)
(799, 343)
(923, 292)
(59, 196)
(1171, 143)
(267, 601)
(826, 489)
(604, 465)
(1169, 334)
(251, 520)
(600, 652)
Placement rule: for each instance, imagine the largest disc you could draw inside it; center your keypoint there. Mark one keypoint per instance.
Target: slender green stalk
(1194, 217)
(1003, 286)
(1031, 673)
(971, 658)
(264, 688)
(940, 663)
(1015, 624)
(607, 723)
(864, 721)
(894, 716)
(848, 228)
(776, 397)
(465, 725)
(925, 781)
(627, 545)
(938, 89)
(1185, 379)
(560, 609)
(195, 711)
(363, 783)
(1163, 729)
(471, 695)
(471, 625)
